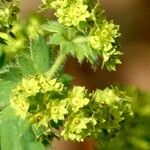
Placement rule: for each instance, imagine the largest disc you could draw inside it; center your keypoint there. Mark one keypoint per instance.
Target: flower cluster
(45, 103)
(103, 40)
(112, 108)
(104, 36)
(86, 21)
(70, 13)
(76, 126)
(32, 100)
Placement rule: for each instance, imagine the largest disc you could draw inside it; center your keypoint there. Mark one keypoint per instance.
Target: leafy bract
(54, 26)
(79, 50)
(70, 42)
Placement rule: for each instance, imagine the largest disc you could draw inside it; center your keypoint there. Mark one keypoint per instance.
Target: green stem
(58, 62)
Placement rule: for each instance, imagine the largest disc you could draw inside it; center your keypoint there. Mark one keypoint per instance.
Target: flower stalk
(58, 62)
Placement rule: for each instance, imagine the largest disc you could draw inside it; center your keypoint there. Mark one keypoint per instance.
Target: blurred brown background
(133, 16)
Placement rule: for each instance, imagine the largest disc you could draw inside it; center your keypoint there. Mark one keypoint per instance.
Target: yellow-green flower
(79, 103)
(57, 110)
(104, 41)
(74, 127)
(77, 98)
(47, 84)
(106, 96)
(20, 105)
(38, 120)
(43, 83)
(104, 36)
(30, 86)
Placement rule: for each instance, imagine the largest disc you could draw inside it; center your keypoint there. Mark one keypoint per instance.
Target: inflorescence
(47, 104)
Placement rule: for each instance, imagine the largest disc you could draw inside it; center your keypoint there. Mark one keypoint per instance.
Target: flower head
(30, 86)
(77, 98)
(33, 94)
(104, 36)
(20, 105)
(73, 128)
(106, 96)
(73, 13)
(57, 110)
(38, 120)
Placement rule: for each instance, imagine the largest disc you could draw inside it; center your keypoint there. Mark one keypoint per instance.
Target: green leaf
(70, 42)
(56, 39)
(35, 146)
(38, 61)
(79, 50)
(8, 80)
(67, 47)
(14, 133)
(54, 26)
(82, 51)
(40, 55)
(11, 73)
(26, 65)
(5, 90)
(9, 131)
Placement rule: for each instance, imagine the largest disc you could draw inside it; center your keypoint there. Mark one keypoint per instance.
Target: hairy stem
(58, 62)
